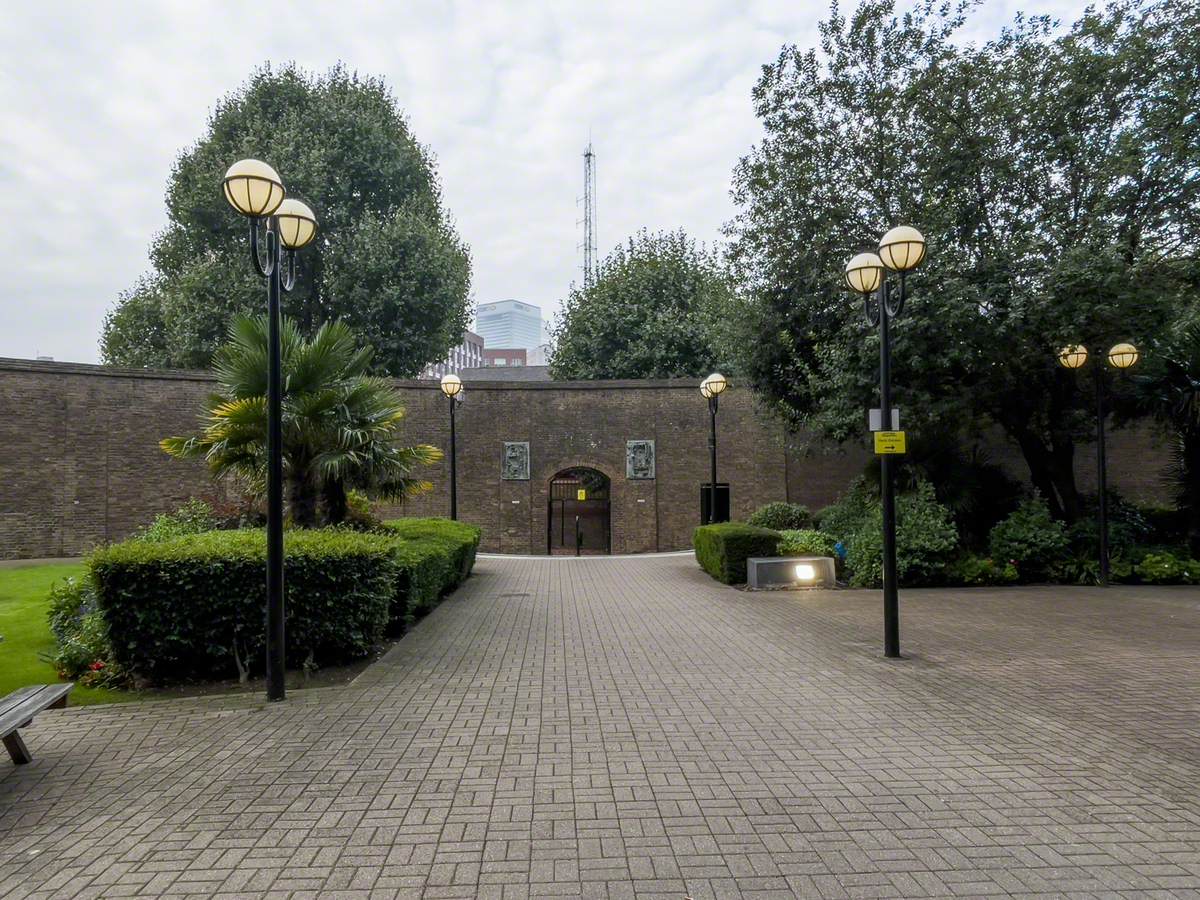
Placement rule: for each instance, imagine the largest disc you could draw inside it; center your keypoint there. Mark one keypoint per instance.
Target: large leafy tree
(387, 260)
(339, 422)
(1053, 175)
(1169, 389)
(648, 313)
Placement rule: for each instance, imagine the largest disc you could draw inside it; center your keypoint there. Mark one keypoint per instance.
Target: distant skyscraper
(509, 324)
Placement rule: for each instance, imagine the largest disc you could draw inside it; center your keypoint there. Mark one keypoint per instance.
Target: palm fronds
(339, 422)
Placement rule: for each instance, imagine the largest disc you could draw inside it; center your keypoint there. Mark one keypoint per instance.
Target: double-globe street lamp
(254, 189)
(452, 387)
(1121, 357)
(711, 389)
(900, 250)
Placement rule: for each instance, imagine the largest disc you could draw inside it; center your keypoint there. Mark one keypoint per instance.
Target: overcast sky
(97, 99)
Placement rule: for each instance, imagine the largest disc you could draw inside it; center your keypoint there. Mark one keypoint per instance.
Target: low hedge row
(193, 607)
(435, 556)
(722, 550)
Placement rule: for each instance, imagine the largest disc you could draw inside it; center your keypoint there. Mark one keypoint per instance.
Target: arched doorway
(583, 493)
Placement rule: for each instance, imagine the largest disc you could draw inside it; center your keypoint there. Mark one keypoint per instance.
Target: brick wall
(80, 462)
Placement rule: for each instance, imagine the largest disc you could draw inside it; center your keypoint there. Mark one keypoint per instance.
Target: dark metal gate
(578, 510)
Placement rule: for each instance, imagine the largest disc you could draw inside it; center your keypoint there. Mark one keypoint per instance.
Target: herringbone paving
(626, 727)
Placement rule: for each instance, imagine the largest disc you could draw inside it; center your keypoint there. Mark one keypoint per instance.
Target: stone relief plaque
(639, 459)
(515, 466)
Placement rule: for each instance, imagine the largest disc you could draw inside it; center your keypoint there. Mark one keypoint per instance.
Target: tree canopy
(648, 313)
(1053, 173)
(1169, 389)
(387, 260)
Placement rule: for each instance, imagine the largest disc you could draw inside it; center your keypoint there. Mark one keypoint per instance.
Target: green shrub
(359, 514)
(841, 520)
(193, 607)
(70, 600)
(1030, 539)
(435, 556)
(1127, 527)
(83, 651)
(1167, 524)
(1167, 568)
(426, 571)
(781, 516)
(972, 570)
(806, 542)
(194, 517)
(978, 492)
(722, 550)
(926, 541)
(1083, 567)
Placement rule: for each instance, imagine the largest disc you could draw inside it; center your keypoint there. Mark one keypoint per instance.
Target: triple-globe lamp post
(1121, 357)
(711, 389)
(452, 387)
(278, 223)
(900, 251)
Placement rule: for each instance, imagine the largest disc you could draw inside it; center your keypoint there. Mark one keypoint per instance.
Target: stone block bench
(18, 709)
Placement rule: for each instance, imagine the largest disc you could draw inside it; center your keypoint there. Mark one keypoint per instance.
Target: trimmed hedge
(722, 550)
(461, 539)
(435, 556)
(193, 607)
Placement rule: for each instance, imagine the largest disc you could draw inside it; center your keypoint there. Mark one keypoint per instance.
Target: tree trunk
(334, 492)
(1062, 471)
(303, 504)
(1038, 458)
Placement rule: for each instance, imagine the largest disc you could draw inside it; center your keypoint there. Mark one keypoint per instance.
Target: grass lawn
(24, 603)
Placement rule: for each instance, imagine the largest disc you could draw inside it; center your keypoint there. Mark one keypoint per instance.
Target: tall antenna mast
(589, 215)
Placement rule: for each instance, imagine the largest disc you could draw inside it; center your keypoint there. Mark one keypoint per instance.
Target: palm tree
(1170, 390)
(338, 421)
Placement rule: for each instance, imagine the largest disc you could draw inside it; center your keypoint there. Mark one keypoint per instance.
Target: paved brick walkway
(620, 728)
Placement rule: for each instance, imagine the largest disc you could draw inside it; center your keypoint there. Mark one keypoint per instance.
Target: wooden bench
(18, 709)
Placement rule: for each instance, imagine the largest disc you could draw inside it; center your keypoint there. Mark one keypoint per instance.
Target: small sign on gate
(581, 494)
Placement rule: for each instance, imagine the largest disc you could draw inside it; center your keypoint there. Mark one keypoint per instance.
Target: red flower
(96, 666)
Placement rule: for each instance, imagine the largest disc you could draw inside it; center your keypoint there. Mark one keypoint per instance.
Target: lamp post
(253, 189)
(452, 388)
(1120, 357)
(900, 250)
(711, 389)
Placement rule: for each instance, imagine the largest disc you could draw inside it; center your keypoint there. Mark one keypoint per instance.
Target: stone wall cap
(54, 367)
(73, 368)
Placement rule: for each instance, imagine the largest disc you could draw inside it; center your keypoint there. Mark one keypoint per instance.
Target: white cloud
(98, 99)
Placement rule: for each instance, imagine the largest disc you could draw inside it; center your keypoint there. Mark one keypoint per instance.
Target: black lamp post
(900, 250)
(711, 388)
(1121, 357)
(253, 188)
(452, 388)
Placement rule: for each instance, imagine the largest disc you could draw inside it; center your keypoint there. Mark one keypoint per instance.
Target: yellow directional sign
(581, 494)
(889, 442)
